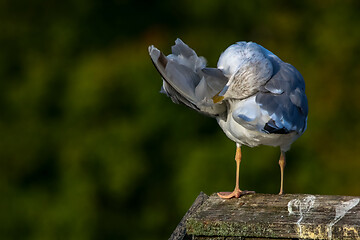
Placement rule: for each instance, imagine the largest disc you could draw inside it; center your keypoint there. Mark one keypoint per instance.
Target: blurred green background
(90, 149)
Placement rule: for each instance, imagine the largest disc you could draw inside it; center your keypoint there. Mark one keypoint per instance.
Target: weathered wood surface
(180, 231)
(266, 216)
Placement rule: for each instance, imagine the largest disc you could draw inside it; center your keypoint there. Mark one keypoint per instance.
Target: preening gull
(256, 98)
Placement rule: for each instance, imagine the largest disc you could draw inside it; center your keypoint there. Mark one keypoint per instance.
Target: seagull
(256, 98)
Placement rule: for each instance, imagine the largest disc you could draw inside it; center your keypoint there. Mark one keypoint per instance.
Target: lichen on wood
(288, 216)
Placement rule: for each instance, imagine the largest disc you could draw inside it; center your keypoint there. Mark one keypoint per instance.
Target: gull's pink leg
(237, 192)
(282, 163)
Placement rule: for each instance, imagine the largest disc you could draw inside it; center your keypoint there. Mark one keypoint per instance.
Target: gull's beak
(220, 95)
(217, 98)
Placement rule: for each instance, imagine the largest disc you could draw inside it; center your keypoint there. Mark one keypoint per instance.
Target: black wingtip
(269, 128)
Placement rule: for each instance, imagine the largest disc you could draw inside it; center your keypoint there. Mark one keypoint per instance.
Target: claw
(234, 194)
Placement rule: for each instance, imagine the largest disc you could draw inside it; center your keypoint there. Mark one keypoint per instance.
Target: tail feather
(176, 97)
(186, 80)
(215, 78)
(180, 48)
(181, 79)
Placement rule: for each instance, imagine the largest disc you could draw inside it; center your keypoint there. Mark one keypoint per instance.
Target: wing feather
(187, 81)
(283, 98)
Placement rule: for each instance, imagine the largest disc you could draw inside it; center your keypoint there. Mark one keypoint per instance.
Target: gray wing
(283, 98)
(186, 80)
(179, 88)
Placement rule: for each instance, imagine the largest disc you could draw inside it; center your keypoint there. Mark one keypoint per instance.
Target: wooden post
(180, 230)
(266, 216)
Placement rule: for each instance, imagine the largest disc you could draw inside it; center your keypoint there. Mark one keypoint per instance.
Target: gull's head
(247, 67)
(228, 63)
(232, 58)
